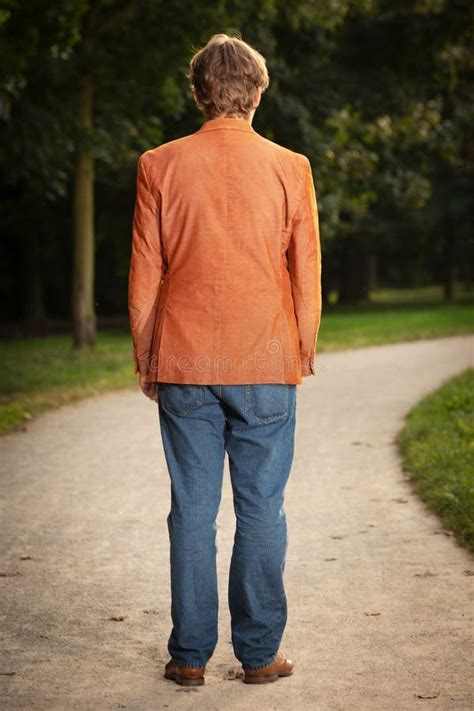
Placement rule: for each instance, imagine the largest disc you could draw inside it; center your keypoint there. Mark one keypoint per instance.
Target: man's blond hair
(225, 75)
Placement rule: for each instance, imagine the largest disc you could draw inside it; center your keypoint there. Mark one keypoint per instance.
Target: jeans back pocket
(268, 401)
(179, 398)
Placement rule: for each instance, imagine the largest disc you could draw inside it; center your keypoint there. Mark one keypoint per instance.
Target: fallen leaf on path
(426, 574)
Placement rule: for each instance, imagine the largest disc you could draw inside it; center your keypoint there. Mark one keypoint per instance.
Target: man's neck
(247, 118)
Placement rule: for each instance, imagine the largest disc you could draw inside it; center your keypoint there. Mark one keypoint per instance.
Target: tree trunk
(372, 271)
(34, 313)
(84, 318)
(450, 284)
(354, 272)
(449, 272)
(449, 262)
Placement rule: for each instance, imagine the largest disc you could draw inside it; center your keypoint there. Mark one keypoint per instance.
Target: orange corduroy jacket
(225, 271)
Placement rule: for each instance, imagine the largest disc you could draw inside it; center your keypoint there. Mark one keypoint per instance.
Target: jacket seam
(317, 323)
(142, 163)
(226, 240)
(147, 181)
(157, 204)
(284, 230)
(307, 165)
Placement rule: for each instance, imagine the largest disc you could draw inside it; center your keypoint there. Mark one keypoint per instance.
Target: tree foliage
(379, 95)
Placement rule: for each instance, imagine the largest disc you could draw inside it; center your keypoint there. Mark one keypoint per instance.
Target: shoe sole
(186, 681)
(265, 678)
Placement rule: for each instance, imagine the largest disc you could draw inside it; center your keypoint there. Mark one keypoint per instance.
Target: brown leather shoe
(279, 667)
(185, 676)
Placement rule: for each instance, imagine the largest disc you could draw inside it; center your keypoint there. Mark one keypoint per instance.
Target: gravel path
(380, 600)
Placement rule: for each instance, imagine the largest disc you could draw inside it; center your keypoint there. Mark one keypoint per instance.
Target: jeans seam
(192, 665)
(262, 664)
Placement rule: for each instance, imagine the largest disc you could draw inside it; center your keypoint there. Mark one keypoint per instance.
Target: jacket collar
(238, 123)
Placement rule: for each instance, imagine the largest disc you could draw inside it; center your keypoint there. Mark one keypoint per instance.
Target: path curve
(380, 603)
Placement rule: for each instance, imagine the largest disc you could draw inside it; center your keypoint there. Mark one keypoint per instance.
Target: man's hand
(147, 388)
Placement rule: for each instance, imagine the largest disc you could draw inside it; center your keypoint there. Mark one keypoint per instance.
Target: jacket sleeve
(304, 265)
(146, 270)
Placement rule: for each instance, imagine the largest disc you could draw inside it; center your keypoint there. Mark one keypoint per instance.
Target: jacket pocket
(179, 398)
(268, 401)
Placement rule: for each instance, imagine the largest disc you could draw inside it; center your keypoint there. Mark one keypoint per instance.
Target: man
(225, 307)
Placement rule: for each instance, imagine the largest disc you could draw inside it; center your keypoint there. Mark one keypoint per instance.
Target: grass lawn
(437, 445)
(40, 373)
(374, 324)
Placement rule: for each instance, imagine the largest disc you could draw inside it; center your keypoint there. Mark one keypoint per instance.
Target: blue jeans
(255, 424)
